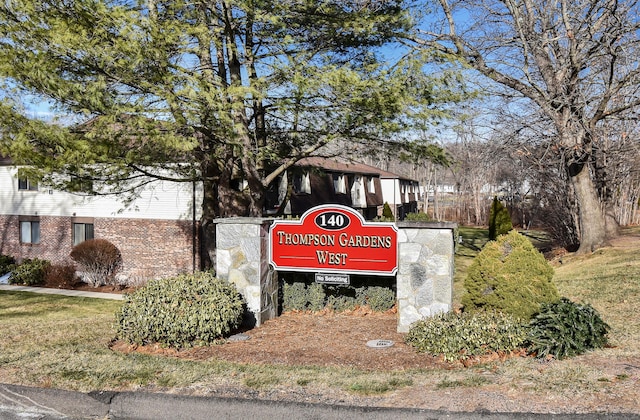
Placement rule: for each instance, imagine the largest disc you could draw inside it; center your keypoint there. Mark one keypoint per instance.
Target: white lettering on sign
(335, 239)
(331, 258)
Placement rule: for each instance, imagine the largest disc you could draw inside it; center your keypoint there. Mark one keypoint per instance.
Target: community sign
(334, 239)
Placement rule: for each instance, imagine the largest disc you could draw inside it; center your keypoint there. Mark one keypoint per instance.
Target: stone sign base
(424, 278)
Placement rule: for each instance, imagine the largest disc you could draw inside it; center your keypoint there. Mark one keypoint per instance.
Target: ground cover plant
(461, 336)
(62, 342)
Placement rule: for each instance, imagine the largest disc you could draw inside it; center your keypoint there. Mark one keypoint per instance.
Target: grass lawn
(63, 342)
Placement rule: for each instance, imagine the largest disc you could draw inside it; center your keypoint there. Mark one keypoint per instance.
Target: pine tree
(387, 213)
(499, 220)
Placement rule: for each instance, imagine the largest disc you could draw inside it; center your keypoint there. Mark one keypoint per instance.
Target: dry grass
(608, 279)
(53, 341)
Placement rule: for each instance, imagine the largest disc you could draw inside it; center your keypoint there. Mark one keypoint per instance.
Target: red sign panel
(334, 239)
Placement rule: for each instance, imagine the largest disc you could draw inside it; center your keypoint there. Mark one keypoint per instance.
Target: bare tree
(574, 61)
(475, 171)
(617, 173)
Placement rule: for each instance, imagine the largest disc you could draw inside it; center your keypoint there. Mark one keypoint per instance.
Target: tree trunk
(208, 228)
(592, 223)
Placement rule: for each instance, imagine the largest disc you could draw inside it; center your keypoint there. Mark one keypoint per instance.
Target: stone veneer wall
(425, 271)
(424, 279)
(242, 259)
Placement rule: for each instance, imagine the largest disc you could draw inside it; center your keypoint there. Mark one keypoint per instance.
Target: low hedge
(459, 336)
(315, 297)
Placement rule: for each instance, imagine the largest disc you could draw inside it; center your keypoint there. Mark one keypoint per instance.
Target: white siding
(391, 191)
(158, 200)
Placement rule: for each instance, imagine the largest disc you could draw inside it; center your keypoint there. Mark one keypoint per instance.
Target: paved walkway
(62, 292)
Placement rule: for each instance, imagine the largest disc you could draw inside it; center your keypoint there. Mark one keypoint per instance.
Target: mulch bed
(320, 339)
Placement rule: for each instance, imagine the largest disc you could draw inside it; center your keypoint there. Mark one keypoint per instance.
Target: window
(25, 185)
(82, 232)
(356, 193)
(302, 183)
(29, 231)
(371, 185)
(339, 184)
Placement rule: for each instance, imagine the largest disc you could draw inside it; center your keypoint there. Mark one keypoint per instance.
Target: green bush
(341, 303)
(6, 264)
(30, 272)
(499, 220)
(564, 329)
(181, 311)
(99, 259)
(315, 297)
(298, 296)
(387, 213)
(294, 297)
(378, 298)
(509, 275)
(417, 217)
(460, 336)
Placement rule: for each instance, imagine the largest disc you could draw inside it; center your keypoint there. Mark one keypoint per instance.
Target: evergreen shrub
(509, 275)
(7, 263)
(315, 297)
(458, 336)
(294, 296)
(181, 311)
(379, 299)
(30, 272)
(499, 220)
(299, 296)
(341, 303)
(99, 260)
(387, 213)
(564, 329)
(417, 217)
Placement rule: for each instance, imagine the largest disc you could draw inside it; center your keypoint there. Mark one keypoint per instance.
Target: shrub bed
(561, 329)
(460, 336)
(31, 272)
(299, 296)
(180, 311)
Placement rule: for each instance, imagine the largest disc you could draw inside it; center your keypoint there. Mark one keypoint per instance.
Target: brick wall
(55, 239)
(150, 248)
